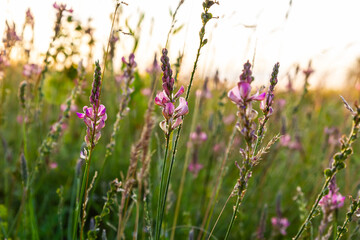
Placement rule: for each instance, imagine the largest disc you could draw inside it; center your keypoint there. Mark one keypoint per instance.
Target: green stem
(215, 193)
(86, 192)
(159, 209)
(312, 211)
(33, 223)
(182, 181)
(238, 202)
(78, 204)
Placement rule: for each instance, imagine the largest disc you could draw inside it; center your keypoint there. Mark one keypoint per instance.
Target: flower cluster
(31, 70)
(128, 74)
(166, 99)
(333, 200)
(240, 95)
(11, 36)
(62, 8)
(60, 11)
(197, 138)
(266, 104)
(95, 115)
(280, 224)
(29, 18)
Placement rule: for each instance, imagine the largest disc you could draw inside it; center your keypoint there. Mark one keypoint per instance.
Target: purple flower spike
(94, 123)
(167, 100)
(94, 116)
(333, 200)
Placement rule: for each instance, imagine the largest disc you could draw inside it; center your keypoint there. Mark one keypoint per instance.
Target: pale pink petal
(177, 123)
(182, 109)
(234, 95)
(101, 110)
(181, 91)
(162, 125)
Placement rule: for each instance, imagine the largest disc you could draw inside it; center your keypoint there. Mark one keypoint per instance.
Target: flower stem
(185, 167)
(86, 193)
(343, 227)
(159, 208)
(237, 204)
(215, 193)
(312, 211)
(78, 204)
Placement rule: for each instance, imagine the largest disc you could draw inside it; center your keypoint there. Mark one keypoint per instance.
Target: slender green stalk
(74, 194)
(217, 220)
(353, 208)
(173, 21)
(85, 189)
(237, 204)
(205, 18)
(160, 200)
(338, 163)
(215, 193)
(78, 204)
(313, 209)
(183, 175)
(33, 222)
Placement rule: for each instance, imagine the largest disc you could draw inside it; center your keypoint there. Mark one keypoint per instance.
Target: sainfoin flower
(95, 121)
(167, 100)
(241, 94)
(333, 200)
(280, 224)
(95, 115)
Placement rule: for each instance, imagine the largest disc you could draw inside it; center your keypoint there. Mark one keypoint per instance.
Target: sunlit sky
(325, 31)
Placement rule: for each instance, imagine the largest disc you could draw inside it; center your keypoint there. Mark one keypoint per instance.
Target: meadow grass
(195, 166)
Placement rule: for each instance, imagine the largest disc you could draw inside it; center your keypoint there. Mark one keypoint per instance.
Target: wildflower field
(92, 151)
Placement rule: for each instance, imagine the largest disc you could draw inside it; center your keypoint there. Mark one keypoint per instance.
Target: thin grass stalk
(183, 175)
(128, 185)
(337, 164)
(205, 18)
(215, 193)
(173, 22)
(313, 209)
(75, 190)
(221, 212)
(145, 141)
(237, 204)
(108, 44)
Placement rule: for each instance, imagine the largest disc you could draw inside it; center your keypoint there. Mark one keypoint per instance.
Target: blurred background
(289, 32)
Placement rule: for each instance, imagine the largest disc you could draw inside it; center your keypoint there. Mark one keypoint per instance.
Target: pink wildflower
(280, 224)
(166, 99)
(94, 116)
(333, 200)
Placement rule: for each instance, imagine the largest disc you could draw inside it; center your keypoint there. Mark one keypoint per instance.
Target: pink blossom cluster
(333, 200)
(197, 138)
(62, 8)
(240, 94)
(11, 36)
(95, 115)
(280, 224)
(31, 70)
(167, 100)
(95, 121)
